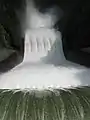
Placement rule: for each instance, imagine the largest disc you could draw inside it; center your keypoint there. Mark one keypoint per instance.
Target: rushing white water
(44, 63)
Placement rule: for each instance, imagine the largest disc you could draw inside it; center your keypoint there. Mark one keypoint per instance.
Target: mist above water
(35, 19)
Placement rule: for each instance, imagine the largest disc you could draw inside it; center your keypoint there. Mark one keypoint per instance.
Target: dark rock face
(11, 38)
(76, 34)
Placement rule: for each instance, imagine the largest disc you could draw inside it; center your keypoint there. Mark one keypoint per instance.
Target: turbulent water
(44, 63)
(59, 104)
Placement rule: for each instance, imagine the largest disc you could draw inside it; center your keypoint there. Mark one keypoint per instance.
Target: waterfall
(44, 63)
